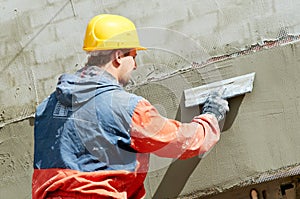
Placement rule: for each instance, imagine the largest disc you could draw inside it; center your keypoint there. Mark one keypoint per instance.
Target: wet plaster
(260, 136)
(16, 156)
(273, 189)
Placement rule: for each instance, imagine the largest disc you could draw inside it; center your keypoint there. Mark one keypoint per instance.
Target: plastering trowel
(227, 88)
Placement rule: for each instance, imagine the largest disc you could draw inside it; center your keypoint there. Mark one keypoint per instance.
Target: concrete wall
(42, 39)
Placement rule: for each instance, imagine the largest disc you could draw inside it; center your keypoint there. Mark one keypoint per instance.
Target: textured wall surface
(42, 39)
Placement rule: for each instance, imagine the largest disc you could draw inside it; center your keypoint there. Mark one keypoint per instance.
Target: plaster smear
(16, 155)
(262, 139)
(270, 190)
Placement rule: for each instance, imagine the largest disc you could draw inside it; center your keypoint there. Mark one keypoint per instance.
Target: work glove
(215, 105)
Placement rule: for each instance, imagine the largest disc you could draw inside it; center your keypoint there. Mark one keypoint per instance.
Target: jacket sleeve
(152, 133)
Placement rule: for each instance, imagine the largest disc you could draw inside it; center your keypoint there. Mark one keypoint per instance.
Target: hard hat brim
(95, 49)
(141, 48)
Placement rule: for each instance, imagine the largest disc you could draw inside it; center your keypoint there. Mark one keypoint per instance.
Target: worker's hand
(214, 104)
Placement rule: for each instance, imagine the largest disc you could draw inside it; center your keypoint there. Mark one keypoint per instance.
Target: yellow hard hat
(107, 32)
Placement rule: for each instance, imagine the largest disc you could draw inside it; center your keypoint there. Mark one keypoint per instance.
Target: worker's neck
(111, 70)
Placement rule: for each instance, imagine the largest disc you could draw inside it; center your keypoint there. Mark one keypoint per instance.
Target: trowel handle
(221, 91)
(222, 122)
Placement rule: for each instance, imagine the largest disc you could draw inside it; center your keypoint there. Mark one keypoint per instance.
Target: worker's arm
(152, 133)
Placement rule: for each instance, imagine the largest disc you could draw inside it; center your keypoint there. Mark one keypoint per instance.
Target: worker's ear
(116, 57)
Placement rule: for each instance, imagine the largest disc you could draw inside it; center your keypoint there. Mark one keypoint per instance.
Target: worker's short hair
(101, 57)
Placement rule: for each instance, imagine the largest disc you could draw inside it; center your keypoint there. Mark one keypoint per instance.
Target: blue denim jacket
(85, 124)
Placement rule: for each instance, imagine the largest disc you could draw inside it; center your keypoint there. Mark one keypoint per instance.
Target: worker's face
(127, 65)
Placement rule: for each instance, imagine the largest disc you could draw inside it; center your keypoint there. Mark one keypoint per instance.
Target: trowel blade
(229, 88)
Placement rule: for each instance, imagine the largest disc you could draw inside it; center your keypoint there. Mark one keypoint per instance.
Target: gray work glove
(214, 104)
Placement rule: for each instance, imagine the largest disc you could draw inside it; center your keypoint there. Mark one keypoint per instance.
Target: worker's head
(112, 39)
